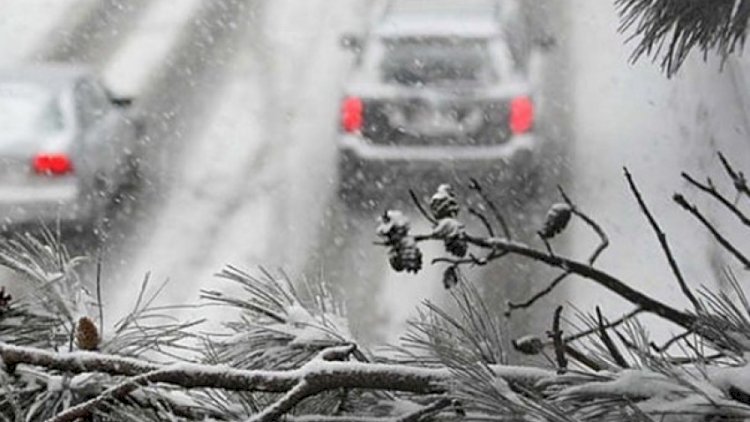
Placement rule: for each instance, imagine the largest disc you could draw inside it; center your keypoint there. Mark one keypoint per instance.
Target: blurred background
(235, 107)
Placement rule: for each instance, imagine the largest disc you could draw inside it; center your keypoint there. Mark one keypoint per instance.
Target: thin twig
(420, 207)
(738, 178)
(603, 239)
(121, 390)
(710, 189)
(526, 304)
(607, 340)
(471, 259)
(556, 335)
(484, 221)
(692, 209)
(584, 270)
(662, 241)
(99, 293)
(475, 186)
(608, 325)
(430, 409)
(669, 342)
(603, 243)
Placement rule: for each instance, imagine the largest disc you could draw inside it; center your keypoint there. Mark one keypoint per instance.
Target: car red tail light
(521, 115)
(352, 114)
(52, 164)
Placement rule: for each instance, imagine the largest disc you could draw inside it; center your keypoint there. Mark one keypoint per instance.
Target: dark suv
(439, 89)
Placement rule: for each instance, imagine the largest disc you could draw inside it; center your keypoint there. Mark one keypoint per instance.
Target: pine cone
(393, 226)
(453, 235)
(4, 300)
(456, 245)
(87, 335)
(411, 256)
(443, 203)
(557, 219)
(450, 277)
(529, 345)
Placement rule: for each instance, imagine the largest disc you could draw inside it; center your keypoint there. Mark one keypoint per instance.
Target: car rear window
(27, 109)
(436, 62)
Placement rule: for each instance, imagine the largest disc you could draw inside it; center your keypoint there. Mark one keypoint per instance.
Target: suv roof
(462, 18)
(473, 7)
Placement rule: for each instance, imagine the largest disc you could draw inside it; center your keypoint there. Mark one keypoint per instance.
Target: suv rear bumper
(368, 171)
(356, 146)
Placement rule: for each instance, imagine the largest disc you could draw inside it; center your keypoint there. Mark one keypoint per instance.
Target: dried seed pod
(443, 203)
(87, 335)
(450, 277)
(557, 219)
(529, 345)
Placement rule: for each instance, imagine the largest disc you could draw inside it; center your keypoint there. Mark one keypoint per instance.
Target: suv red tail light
(521, 117)
(52, 164)
(352, 114)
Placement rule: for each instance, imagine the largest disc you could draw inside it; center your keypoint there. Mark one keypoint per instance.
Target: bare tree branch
(662, 241)
(738, 178)
(475, 186)
(603, 243)
(584, 270)
(483, 219)
(692, 209)
(603, 239)
(710, 189)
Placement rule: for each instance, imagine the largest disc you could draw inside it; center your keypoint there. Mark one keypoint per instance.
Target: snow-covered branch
(312, 378)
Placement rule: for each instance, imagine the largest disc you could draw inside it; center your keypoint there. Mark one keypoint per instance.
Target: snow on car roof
(475, 7)
(438, 24)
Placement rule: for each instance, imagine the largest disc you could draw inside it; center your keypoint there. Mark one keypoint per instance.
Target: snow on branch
(312, 378)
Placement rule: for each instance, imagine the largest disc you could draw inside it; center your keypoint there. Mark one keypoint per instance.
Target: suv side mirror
(351, 42)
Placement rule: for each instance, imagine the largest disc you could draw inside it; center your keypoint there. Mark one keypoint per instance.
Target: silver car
(66, 146)
(440, 89)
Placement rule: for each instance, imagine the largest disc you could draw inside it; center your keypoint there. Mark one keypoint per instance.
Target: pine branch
(317, 376)
(668, 30)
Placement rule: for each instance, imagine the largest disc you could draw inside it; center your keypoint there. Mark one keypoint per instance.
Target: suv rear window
(436, 62)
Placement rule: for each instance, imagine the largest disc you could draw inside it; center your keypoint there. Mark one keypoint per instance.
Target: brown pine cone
(87, 335)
